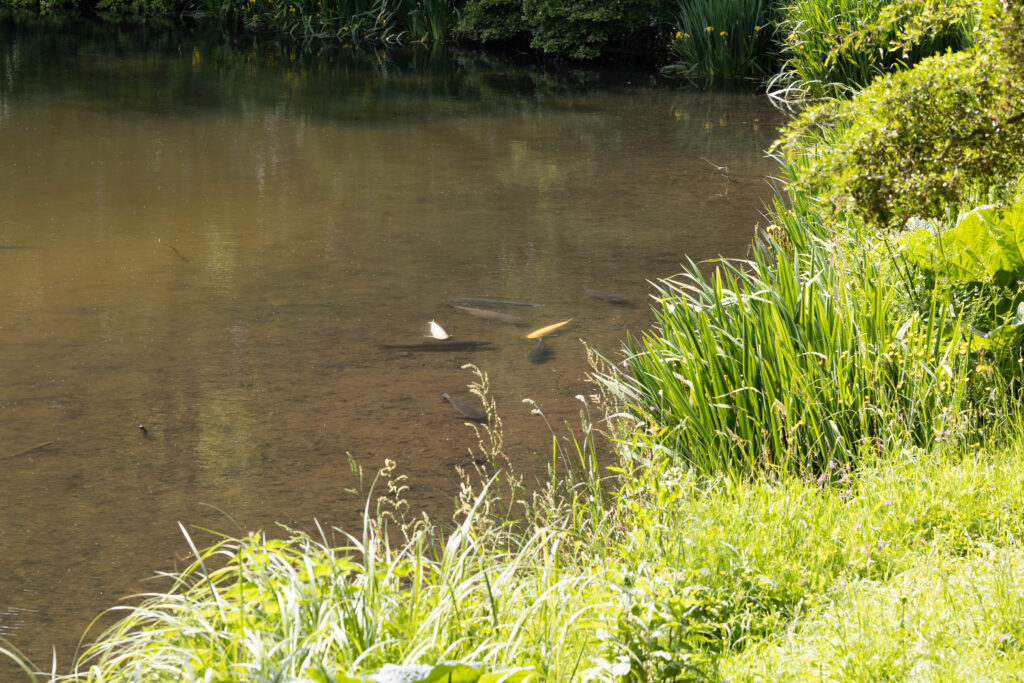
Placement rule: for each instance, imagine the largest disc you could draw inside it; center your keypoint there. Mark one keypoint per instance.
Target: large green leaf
(453, 672)
(987, 245)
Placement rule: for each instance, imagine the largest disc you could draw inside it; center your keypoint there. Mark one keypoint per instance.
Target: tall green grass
(794, 360)
(351, 21)
(719, 42)
(256, 608)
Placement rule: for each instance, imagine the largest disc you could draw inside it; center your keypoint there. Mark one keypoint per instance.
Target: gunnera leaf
(987, 245)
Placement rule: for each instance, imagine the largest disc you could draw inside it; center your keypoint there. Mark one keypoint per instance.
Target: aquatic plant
(719, 42)
(351, 21)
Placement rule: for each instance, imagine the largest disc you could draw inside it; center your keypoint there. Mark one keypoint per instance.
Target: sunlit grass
(833, 47)
(795, 360)
(677, 575)
(945, 619)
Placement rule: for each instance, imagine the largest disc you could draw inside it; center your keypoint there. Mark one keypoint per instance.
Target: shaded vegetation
(793, 44)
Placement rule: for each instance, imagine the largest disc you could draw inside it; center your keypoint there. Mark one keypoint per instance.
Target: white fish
(437, 332)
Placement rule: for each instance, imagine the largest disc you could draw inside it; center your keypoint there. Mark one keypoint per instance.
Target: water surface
(212, 239)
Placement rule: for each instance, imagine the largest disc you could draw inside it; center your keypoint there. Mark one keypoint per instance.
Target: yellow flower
(724, 34)
(709, 29)
(679, 34)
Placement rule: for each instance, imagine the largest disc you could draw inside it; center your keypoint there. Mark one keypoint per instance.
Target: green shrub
(1004, 21)
(486, 20)
(723, 41)
(120, 9)
(833, 46)
(915, 143)
(582, 28)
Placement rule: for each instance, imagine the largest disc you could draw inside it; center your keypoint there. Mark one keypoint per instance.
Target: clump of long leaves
(506, 600)
(351, 21)
(257, 608)
(792, 361)
(723, 41)
(832, 47)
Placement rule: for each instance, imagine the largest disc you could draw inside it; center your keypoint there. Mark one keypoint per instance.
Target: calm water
(212, 239)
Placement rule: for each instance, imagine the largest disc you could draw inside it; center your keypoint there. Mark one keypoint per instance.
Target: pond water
(212, 239)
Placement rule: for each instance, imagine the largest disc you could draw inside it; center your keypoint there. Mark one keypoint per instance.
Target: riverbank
(819, 455)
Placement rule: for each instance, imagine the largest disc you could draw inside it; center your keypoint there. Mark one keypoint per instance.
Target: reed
(719, 42)
(791, 361)
(432, 21)
(350, 21)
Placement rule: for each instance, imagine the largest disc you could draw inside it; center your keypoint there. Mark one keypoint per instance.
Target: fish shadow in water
(540, 353)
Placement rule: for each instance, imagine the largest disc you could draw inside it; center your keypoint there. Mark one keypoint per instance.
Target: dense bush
(1005, 21)
(915, 143)
(115, 10)
(579, 29)
(486, 20)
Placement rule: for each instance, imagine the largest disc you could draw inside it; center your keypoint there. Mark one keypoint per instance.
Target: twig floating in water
(164, 244)
(37, 447)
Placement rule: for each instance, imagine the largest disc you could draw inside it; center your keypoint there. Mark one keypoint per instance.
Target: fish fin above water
(437, 332)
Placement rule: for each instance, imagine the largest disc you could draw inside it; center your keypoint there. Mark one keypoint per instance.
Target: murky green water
(212, 240)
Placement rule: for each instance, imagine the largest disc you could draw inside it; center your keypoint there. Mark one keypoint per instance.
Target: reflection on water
(212, 242)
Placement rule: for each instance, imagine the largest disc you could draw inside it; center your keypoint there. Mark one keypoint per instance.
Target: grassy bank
(908, 567)
(819, 453)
